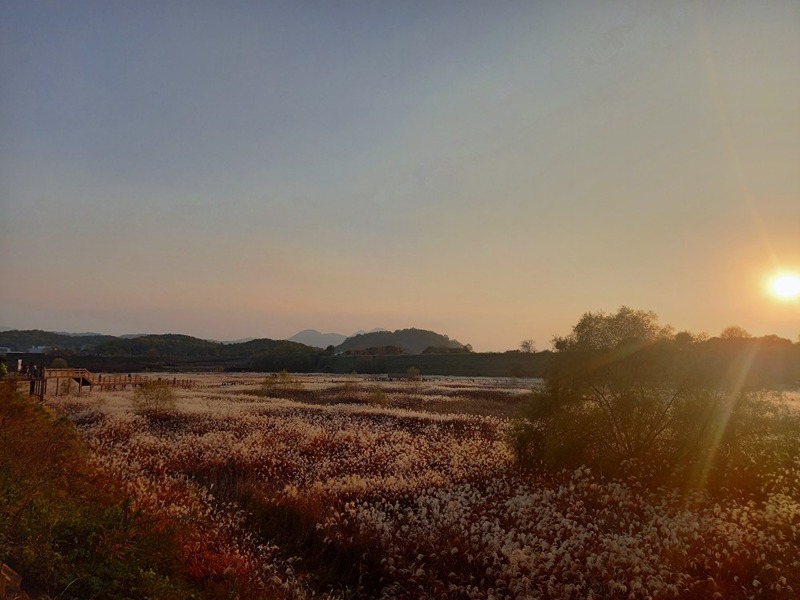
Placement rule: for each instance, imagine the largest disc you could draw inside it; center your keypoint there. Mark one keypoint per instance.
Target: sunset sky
(488, 170)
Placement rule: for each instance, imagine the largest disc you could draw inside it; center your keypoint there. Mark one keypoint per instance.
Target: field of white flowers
(341, 487)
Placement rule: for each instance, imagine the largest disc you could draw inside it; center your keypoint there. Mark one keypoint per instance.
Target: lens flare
(786, 286)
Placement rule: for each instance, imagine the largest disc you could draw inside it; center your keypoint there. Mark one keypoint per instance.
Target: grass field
(344, 487)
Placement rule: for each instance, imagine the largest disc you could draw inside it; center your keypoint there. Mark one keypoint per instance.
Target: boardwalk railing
(84, 377)
(36, 384)
(113, 382)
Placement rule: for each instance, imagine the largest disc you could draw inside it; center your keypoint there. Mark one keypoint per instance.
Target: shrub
(547, 434)
(741, 442)
(378, 396)
(154, 398)
(281, 384)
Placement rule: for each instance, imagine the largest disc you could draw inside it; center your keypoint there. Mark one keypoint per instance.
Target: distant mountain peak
(312, 337)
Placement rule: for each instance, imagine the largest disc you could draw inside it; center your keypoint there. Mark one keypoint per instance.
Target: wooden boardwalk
(83, 377)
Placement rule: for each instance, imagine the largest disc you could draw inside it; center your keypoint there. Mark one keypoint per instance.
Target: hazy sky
(488, 170)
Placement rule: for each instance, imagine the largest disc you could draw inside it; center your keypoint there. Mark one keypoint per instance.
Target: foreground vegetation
(344, 487)
(68, 529)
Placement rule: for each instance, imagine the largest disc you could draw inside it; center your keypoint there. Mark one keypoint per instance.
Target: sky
(487, 170)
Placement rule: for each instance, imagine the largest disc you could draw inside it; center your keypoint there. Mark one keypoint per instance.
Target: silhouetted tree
(734, 332)
(623, 390)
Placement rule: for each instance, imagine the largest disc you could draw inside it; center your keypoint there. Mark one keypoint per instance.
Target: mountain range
(407, 341)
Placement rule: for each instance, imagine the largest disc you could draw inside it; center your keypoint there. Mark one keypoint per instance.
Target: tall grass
(329, 495)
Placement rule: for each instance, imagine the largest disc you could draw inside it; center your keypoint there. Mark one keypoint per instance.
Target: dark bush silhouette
(624, 394)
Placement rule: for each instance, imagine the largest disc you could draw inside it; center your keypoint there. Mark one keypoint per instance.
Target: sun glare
(786, 286)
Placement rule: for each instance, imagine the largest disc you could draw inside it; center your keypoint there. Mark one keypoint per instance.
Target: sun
(785, 286)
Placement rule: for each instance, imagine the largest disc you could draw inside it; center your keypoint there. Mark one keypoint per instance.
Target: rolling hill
(411, 341)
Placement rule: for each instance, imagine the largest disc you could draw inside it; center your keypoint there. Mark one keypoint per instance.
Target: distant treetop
(603, 331)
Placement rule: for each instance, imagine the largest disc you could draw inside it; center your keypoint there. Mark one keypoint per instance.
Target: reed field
(323, 486)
